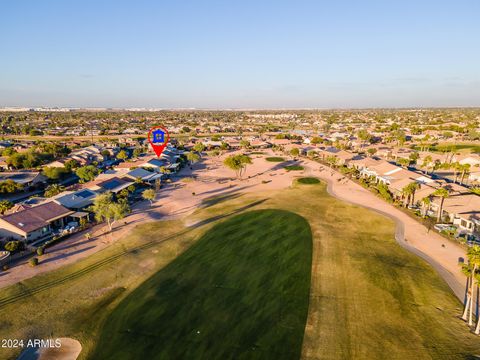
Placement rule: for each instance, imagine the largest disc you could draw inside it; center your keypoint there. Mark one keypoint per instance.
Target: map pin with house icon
(158, 138)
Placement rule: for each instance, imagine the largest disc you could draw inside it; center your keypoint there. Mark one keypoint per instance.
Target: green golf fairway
(240, 292)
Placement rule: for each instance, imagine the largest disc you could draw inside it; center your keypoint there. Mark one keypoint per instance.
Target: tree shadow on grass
(214, 200)
(246, 282)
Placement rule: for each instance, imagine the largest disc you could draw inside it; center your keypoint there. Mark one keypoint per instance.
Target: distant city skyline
(242, 55)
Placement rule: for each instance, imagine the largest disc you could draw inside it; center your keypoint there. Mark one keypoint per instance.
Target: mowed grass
(241, 292)
(369, 298)
(308, 181)
(294, 168)
(447, 147)
(275, 159)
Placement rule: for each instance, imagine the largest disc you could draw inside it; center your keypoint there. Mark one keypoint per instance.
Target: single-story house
(25, 178)
(75, 200)
(34, 223)
(114, 185)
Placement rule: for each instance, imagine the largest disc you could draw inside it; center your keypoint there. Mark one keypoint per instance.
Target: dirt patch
(69, 350)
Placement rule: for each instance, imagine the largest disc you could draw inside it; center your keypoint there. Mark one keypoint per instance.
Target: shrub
(13, 246)
(33, 261)
(40, 251)
(5, 267)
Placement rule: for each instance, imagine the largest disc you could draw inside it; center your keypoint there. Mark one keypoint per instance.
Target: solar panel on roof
(111, 184)
(84, 194)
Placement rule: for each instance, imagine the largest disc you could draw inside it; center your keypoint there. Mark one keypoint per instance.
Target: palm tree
(477, 327)
(456, 167)
(465, 169)
(470, 270)
(426, 163)
(426, 201)
(406, 192)
(414, 186)
(442, 193)
(409, 191)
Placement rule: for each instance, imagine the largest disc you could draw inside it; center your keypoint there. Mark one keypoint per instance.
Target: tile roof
(36, 217)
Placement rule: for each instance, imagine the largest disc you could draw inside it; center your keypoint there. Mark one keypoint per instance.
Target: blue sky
(240, 54)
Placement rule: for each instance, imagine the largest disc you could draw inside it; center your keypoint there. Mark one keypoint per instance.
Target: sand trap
(69, 350)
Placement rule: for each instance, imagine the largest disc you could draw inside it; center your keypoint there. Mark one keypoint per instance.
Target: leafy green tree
(332, 161)
(71, 164)
(364, 135)
(295, 152)
(9, 186)
(199, 147)
(87, 173)
(123, 193)
(403, 162)
(414, 157)
(16, 160)
(384, 191)
(149, 194)
(237, 163)
(311, 154)
(122, 155)
(106, 209)
(105, 153)
(192, 157)
(137, 152)
(53, 190)
(245, 144)
(54, 173)
(13, 246)
(9, 151)
(5, 205)
(399, 136)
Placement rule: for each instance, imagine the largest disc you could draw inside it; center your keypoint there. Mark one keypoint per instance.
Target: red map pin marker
(158, 137)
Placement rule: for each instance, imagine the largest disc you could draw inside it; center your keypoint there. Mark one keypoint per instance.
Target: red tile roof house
(34, 223)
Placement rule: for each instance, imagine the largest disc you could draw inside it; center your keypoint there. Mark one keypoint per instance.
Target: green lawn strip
(241, 291)
(294, 168)
(275, 159)
(308, 181)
